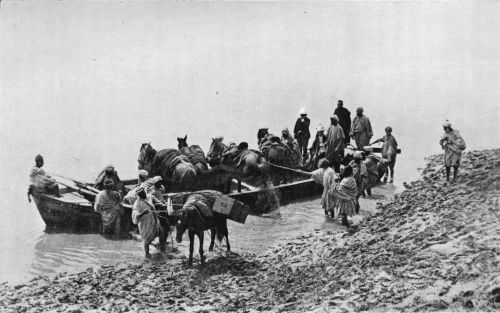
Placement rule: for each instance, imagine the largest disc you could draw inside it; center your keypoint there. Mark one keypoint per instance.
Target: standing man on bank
(344, 120)
(361, 129)
(301, 132)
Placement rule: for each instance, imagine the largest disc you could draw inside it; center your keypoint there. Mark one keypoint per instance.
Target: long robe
(325, 177)
(361, 129)
(149, 226)
(453, 145)
(42, 181)
(335, 144)
(344, 121)
(372, 173)
(345, 194)
(107, 203)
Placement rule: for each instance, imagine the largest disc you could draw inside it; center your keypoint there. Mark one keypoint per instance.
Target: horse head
(216, 150)
(182, 142)
(146, 155)
(261, 134)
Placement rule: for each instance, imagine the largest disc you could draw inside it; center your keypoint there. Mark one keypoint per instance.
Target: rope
(286, 168)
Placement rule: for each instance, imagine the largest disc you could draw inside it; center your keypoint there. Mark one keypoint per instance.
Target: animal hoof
(211, 249)
(148, 256)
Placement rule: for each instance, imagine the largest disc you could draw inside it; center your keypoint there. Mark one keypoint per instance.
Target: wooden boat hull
(60, 214)
(79, 216)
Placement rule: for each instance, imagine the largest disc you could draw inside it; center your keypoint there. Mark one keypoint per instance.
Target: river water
(84, 84)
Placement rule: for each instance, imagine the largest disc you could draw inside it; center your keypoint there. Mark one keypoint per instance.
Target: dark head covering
(108, 183)
(388, 128)
(38, 158)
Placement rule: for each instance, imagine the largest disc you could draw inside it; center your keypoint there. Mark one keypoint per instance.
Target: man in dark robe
(301, 132)
(344, 120)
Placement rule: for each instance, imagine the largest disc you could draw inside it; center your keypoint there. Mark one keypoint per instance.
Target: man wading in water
(453, 144)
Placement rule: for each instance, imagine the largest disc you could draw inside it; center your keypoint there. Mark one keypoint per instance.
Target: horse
(239, 162)
(278, 153)
(174, 167)
(190, 218)
(194, 153)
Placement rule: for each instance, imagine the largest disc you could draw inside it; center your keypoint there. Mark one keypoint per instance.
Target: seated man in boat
(42, 181)
(131, 196)
(109, 172)
(107, 203)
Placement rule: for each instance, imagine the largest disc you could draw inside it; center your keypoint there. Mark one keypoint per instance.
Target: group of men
(330, 143)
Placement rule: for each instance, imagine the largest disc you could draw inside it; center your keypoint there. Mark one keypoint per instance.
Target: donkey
(174, 168)
(195, 155)
(192, 219)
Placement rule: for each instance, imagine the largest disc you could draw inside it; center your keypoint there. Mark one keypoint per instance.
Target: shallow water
(84, 84)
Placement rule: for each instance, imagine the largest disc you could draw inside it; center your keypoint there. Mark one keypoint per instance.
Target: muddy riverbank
(433, 247)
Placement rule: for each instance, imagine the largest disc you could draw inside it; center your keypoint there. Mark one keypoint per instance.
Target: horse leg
(227, 241)
(239, 185)
(146, 250)
(163, 238)
(228, 185)
(191, 247)
(200, 238)
(212, 239)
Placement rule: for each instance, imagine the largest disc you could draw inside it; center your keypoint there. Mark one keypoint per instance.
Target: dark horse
(174, 168)
(276, 151)
(190, 218)
(240, 163)
(195, 155)
(280, 154)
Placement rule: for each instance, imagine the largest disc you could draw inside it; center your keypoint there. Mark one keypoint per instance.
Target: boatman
(344, 120)
(109, 172)
(453, 144)
(301, 132)
(107, 203)
(42, 181)
(361, 129)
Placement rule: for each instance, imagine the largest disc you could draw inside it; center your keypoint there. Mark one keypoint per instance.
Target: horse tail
(220, 227)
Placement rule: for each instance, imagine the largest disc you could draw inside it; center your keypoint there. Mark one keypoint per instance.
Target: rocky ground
(434, 248)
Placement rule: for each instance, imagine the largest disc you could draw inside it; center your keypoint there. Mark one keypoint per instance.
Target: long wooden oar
(80, 190)
(78, 183)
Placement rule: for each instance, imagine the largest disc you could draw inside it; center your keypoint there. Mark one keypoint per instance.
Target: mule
(195, 155)
(192, 220)
(174, 168)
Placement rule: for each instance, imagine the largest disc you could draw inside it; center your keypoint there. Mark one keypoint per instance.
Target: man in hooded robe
(109, 172)
(361, 129)
(335, 143)
(325, 176)
(345, 194)
(143, 216)
(131, 196)
(453, 144)
(107, 203)
(41, 180)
